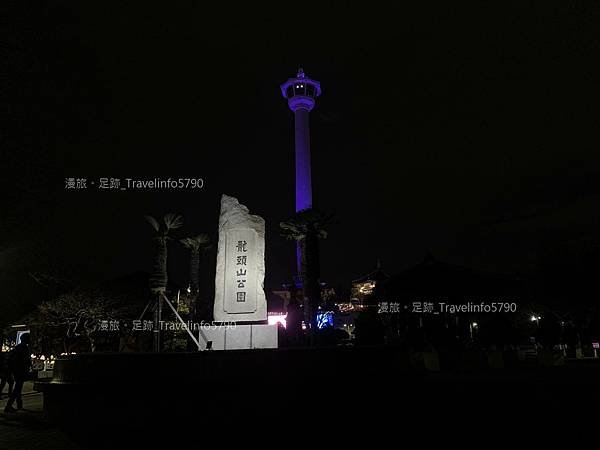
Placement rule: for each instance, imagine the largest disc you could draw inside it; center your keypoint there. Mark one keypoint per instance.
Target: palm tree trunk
(195, 282)
(158, 284)
(311, 289)
(195, 270)
(158, 278)
(156, 326)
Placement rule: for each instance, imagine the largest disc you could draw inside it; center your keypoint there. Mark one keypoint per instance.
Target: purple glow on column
(303, 172)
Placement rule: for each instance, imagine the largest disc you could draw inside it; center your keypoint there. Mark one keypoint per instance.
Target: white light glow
(277, 318)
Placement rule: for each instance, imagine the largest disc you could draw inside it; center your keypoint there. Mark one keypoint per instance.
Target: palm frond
(153, 222)
(196, 242)
(203, 239)
(173, 221)
(292, 230)
(189, 243)
(305, 222)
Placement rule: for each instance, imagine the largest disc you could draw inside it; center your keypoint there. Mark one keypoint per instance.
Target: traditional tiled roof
(436, 277)
(377, 275)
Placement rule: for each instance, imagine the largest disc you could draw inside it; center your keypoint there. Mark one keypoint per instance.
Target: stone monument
(240, 302)
(239, 292)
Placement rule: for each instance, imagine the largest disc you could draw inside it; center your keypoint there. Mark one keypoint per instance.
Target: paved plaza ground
(28, 429)
(129, 412)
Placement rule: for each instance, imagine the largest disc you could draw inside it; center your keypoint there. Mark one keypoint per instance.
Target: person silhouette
(19, 365)
(5, 375)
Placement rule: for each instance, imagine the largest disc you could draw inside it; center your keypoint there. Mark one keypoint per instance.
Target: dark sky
(468, 132)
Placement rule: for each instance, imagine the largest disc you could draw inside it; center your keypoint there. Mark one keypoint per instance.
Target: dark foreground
(120, 400)
(29, 429)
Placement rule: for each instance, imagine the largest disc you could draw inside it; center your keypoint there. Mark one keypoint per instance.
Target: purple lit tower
(301, 93)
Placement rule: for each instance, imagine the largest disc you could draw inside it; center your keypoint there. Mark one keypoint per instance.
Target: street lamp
(472, 327)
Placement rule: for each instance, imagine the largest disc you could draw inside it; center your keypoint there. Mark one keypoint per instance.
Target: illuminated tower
(301, 93)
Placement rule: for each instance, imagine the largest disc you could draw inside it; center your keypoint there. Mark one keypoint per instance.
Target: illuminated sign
(324, 320)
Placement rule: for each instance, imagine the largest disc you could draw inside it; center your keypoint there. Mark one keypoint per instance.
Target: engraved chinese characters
(240, 270)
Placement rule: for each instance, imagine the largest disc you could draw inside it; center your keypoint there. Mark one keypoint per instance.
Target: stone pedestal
(241, 337)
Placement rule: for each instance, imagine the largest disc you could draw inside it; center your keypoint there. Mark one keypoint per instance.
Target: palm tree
(196, 244)
(306, 227)
(159, 278)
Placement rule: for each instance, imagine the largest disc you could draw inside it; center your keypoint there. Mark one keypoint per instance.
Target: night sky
(471, 133)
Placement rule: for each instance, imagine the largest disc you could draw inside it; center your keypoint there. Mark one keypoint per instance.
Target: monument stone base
(242, 337)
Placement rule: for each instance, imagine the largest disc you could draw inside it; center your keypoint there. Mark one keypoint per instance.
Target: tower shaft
(303, 170)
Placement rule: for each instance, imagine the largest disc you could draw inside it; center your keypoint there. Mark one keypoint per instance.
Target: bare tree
(79, 315)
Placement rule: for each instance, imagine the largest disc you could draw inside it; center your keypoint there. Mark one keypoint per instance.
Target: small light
(474, 324)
